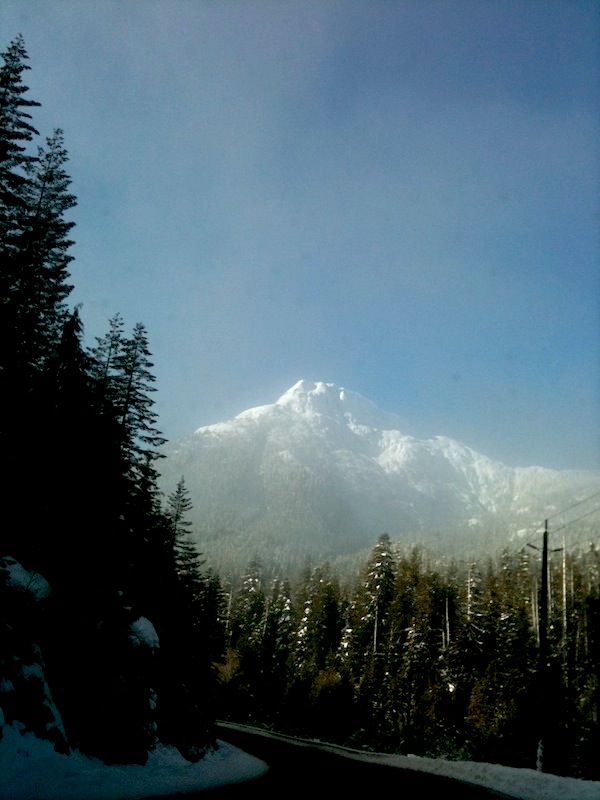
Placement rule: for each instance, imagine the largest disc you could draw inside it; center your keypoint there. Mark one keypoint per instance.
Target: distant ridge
(321, 472)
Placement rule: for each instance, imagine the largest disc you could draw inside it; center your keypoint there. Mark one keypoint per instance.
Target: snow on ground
(524, 784)
(30, 769)
(31, 582)
(144, 633)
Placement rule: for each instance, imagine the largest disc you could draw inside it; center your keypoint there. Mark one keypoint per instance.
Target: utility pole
(544, 603)
(543, 655)
(543, 714)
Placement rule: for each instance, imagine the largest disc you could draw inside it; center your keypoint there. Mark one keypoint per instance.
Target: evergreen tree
(417, 655)
(246, 634)
(586, 657)
(374, 598)
(320, 624)
(190, 623)
(134, 403)
(278, 636)
(15, 132)
(187, 559)
(43, 251)
(325, 710)
(33, 288)
(187, 574)
(105, 357)
(124, 384)
(500, 712)
(36, 272)
(124, 378)
(34, 314)
(249, 611)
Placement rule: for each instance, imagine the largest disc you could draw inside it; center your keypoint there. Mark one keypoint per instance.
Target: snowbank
(30, 769)
(26, 580)
(524, 784)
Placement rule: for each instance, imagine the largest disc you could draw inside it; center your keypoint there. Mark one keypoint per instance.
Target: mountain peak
(308, 399)
(315, 394)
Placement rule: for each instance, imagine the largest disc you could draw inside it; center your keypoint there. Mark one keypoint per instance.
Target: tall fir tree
(141, 439)
(375, 595)
(105, 356)
(15, 132)
(43, 258)
(122, 369)
(34, 248)
(190, 623)
(36, 265)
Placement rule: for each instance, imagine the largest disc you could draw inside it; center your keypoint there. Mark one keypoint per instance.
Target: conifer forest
(115, 634)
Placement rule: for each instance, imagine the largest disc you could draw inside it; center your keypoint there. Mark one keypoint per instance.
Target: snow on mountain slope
(322, 472)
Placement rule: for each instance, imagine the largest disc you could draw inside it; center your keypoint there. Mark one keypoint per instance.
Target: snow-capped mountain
(322, 472)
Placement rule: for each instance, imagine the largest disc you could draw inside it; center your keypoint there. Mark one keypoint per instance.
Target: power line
(539, 528)
(573, 521)
(580, 538)
(564, 510)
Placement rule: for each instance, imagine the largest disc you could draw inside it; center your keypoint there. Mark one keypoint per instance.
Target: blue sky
(397, 197)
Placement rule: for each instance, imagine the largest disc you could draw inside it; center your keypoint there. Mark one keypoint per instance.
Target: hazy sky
(401, 198)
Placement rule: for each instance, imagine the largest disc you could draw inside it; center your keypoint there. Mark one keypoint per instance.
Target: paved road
(311, 773)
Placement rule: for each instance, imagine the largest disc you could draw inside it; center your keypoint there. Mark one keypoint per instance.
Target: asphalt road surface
(308, 772)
